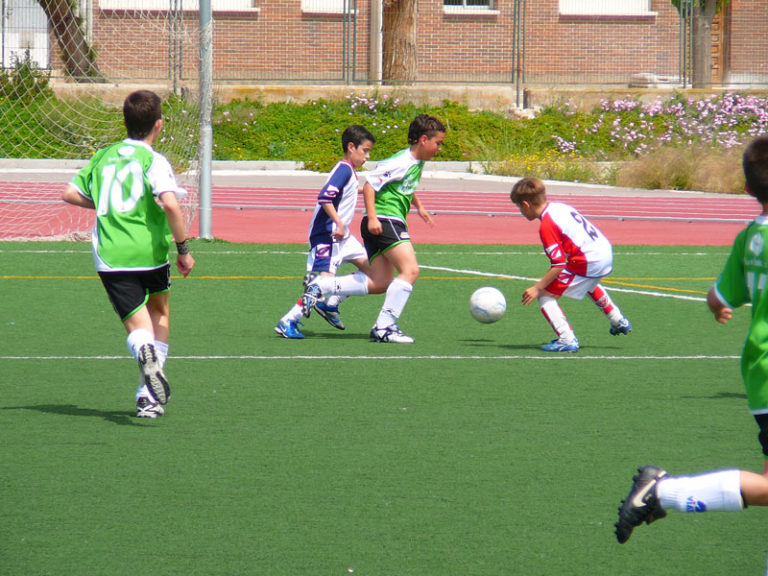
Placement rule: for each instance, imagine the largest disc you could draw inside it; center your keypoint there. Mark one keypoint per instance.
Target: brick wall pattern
(279, 42)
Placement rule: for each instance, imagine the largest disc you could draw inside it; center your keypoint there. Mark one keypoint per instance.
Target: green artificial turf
(469, 452)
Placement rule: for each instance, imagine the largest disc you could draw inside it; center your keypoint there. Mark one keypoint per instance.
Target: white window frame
(325, 6)
(471, 10)
(606, 8)
(189, 5)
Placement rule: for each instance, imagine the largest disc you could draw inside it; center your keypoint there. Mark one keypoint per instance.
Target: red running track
(280, 215)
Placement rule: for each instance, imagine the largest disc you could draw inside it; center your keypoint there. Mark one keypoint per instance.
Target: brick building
(459, 41)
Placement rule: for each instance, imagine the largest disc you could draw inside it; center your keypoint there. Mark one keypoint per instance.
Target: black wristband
(182, 248)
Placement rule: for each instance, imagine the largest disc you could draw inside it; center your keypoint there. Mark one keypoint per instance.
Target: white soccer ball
(487, 304)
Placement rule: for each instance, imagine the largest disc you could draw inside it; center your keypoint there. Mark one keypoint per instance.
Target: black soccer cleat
(641, 504)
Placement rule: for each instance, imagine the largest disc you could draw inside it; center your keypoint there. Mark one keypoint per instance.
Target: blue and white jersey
(341, 190)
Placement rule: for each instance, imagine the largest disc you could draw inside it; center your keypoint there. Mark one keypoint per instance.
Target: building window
(328, 6)
(191, 5)
(603, 8)
(469, 3)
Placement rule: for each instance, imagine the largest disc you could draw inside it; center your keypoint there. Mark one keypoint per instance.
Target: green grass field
(467, 453)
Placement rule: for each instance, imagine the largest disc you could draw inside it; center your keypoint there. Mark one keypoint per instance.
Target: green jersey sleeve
(744, 275)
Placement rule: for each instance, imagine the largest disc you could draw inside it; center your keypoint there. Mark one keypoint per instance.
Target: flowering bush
(629, 126)
(560, 142)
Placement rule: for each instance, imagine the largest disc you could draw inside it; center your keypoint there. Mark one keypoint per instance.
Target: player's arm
(170, 205)
(330, 210)
(532, 293)
(426, 216)
(72, 195)
(722, 311)
(369, 199)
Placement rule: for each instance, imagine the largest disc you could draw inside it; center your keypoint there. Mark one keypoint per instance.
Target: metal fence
(514, 42)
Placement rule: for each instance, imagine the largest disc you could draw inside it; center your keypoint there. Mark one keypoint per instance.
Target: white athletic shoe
(154, 377)
(146, 408)
(391, 333)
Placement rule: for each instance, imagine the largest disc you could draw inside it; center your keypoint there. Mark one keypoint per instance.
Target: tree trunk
(703, 15)
(399, 41)
(79, 59)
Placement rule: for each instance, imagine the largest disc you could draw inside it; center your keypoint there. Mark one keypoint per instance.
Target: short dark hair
(424, 124)
(531, 190)
(356, 135)
(755, 164)
(141, 110)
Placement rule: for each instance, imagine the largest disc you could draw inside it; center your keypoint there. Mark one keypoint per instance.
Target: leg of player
(158, 308)
(403, 258)
(653, 493)
(353, 253)
(566, 340)
(619, 323)
(141, 343)
(288, 326)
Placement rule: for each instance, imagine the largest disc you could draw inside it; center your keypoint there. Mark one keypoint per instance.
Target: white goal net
(66, 67)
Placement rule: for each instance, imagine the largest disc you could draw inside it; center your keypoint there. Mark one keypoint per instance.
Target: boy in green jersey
(742, 281)
(388, 193)
(135, 195)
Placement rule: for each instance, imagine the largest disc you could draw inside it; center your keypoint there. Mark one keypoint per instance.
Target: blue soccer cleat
(330, 314)
(289, 329)
(558, 345)
(623, 327)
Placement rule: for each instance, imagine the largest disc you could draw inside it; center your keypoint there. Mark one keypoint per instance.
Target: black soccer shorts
(129, 291)
(393, 232)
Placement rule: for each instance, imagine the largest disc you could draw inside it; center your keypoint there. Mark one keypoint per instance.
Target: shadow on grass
(720, 396)
(121, 418)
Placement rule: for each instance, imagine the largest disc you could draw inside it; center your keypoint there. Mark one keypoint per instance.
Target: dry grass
(694, 168)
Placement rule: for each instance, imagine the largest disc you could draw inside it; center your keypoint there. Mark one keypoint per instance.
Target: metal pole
(523, 27)
(354, 42)
(206, 106)
(2, 34)
(376, 63)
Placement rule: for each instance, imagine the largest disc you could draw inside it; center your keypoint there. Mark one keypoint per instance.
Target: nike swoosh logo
(638, 500)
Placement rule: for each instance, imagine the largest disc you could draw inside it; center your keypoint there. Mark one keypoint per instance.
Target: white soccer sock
(294, 314)
(556, 318)
(713, 491)
(335, 300)
(161, 349)
(137, 339)
(397, 296)
(355, 284)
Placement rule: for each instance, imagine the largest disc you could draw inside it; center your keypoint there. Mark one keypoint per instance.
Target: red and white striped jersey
(573, 242)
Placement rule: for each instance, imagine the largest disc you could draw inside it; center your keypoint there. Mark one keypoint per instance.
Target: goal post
(206, 128)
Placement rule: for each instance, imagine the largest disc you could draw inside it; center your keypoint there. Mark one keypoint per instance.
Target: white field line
(325, 357)
(612, 288)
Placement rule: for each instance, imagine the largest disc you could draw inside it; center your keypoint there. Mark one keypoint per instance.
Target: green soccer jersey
(395, 180)
(131, 231)
(743, 280)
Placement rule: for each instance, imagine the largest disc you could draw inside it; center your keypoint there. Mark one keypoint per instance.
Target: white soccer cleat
(146, 408)
(391, 334)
